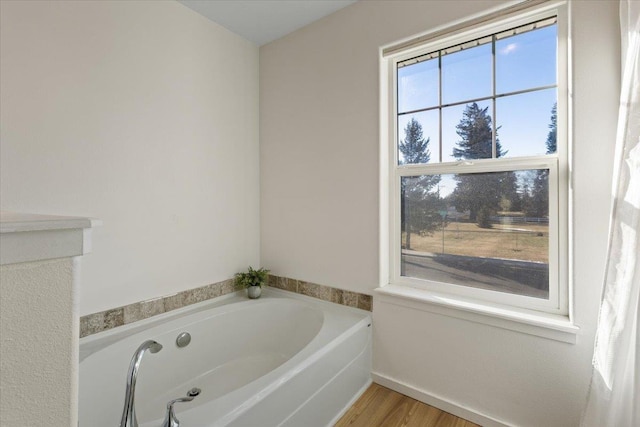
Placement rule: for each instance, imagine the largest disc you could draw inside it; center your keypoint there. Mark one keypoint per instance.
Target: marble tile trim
(108, 319)
(325, 293)
(112, 318)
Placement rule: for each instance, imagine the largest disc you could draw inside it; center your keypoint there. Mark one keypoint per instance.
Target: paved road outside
(516, 277)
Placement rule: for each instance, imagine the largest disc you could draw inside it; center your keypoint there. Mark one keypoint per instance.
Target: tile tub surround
(326, 293)
(112, 318)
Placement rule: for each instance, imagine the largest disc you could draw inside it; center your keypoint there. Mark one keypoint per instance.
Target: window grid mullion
(494, 130)
(484, 98)
(440, 104)
(397, 118)
(480, 166)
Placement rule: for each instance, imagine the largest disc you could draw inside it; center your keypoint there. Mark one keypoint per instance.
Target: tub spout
(129, 413)
(170, 420)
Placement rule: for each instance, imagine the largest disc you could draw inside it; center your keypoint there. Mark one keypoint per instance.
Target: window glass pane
(466, 132)
(418, 86)
(526, 60)
(482, 230)
(527, 124)
(418, 138)
(466, 74)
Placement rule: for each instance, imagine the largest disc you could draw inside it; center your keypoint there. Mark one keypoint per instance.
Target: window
(478, 163)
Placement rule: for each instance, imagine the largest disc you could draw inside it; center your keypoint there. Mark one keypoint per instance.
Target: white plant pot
(254, 292)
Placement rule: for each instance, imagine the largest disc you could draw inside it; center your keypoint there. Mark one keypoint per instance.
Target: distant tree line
(481, 194)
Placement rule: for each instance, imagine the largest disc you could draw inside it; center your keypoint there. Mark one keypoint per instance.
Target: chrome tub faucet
(170, 420)
(129, 413)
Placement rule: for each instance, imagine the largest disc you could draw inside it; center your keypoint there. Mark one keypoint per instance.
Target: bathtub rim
(95, 342)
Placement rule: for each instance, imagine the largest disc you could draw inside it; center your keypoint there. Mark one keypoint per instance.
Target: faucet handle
(170, 420)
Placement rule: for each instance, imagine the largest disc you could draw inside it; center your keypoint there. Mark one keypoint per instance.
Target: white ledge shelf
(32, 237)
(554, 327)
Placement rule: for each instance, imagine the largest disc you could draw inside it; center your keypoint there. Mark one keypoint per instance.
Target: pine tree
(510, 197)
(540, 195)
(414, 148)
(539, 206)
(481, 194)
(419, 208)
(476, 132)
(553, 130)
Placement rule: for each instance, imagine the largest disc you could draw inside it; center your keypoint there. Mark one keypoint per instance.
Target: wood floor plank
(382, 404)
(447, 420)
(356, 410)
(382, 407)
(425, 415)
(398, 415)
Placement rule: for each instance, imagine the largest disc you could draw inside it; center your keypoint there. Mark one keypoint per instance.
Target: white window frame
(486, 301)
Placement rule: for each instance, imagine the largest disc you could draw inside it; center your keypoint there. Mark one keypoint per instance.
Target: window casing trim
(558, 165)
(549, 326)
(552, 305)
(470, 23)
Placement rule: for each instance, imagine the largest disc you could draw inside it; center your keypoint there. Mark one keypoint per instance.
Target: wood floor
(381, 407)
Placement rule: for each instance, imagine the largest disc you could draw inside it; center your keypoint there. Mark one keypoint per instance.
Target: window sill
(554, 327)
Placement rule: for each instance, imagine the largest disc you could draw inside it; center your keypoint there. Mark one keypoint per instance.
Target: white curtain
(614, 395)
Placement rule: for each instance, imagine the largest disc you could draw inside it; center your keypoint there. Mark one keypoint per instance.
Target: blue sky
(523, 61)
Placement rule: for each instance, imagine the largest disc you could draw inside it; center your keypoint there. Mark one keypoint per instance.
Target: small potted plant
(253, 281)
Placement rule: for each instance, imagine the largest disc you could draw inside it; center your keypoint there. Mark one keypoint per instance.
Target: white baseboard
(442, 404)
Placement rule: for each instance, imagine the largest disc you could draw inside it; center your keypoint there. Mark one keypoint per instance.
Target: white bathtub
(281, 360)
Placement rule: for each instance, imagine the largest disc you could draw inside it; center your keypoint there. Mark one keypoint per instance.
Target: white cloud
(511, 47)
